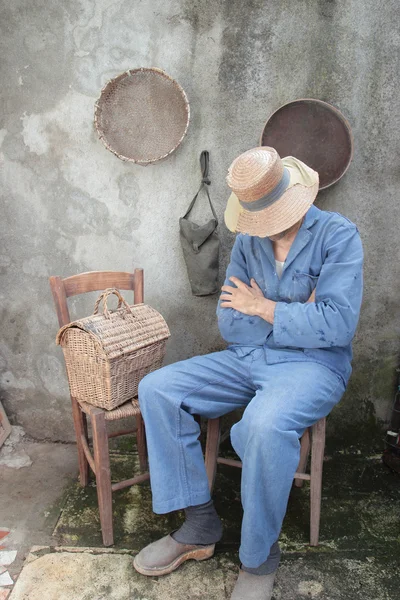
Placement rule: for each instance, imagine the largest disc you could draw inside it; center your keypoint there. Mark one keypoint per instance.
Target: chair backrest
(93, 281)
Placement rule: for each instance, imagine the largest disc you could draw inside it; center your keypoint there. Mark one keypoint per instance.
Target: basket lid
(122, 332)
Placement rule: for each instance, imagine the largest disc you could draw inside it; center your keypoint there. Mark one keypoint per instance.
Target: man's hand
(249, 299)
(242, 297)
(312, 297)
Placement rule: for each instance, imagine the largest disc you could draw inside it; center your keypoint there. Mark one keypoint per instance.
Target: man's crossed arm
(249, 299)
(328, 319)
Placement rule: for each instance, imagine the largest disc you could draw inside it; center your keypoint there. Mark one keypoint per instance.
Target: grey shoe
(165, 555)
(253, 587)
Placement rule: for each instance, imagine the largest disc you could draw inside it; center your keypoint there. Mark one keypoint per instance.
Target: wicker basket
(142, 115)
(107, 354)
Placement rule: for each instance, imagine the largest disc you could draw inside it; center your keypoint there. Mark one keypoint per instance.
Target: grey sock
(202, 525)
(268, 566)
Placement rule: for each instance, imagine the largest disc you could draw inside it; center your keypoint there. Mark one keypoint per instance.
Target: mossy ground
(360, 508)
(358, 556)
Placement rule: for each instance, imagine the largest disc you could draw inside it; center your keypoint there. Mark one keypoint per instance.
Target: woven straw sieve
(142, 115)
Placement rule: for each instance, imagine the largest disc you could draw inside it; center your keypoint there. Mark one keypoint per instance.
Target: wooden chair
(313, 437)
(99, 461)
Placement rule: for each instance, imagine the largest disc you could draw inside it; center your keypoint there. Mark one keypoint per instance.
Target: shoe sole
(197, 554)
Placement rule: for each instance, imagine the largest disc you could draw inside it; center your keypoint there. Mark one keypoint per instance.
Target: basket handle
(103, 298)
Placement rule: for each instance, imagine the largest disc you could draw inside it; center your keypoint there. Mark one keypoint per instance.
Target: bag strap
(205, 181)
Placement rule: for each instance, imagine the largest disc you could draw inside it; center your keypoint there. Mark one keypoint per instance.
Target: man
(289, 309)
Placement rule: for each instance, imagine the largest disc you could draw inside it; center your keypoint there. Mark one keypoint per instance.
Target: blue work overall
(287, 376)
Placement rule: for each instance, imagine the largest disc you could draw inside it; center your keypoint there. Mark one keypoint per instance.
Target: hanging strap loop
(204, 166)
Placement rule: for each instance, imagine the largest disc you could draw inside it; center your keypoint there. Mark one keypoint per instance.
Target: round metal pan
(316, 133)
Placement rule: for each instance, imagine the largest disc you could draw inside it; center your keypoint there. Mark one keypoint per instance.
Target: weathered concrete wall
(69, 206)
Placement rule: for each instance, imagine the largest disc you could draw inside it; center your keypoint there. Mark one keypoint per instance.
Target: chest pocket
(303, 285)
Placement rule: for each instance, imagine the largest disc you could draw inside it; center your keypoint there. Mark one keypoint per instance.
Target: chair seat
(129, 409)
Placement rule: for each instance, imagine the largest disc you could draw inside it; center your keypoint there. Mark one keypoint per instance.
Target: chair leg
(317, 459)
(141, 442)
(80, 425)
(103, 475)
(304, 453)
(212, 448)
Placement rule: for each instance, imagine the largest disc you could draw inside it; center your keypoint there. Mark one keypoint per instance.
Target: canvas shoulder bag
(200, 243)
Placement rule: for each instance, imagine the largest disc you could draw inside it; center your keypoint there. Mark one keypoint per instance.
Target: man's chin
(277, 237)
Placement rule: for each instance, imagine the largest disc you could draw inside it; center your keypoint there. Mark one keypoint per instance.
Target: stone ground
(55, 528)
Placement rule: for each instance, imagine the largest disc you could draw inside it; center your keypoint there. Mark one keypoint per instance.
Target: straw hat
(269, 194)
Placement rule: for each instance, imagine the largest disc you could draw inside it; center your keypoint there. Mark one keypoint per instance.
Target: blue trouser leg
(290, 397)
(211, 386)
(281, 401)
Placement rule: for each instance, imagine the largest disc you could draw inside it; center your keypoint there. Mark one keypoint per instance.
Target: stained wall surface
(68, 205)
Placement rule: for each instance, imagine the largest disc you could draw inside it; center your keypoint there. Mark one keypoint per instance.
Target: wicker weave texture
(255, 173)
(106, 357)
(129, 409)
(142, 115)
(123, 332)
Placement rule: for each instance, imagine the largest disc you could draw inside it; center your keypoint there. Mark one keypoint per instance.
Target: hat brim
(279, 216)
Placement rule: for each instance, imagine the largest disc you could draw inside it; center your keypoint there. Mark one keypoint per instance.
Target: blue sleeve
(235, 327)
(333, 318)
